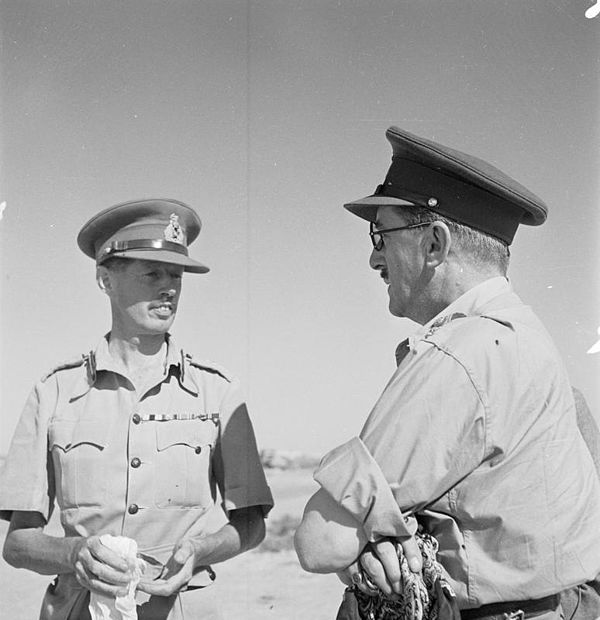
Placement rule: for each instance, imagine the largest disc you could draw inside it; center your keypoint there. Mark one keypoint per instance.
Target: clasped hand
(176, 573)
(101, 570)
(378, 566)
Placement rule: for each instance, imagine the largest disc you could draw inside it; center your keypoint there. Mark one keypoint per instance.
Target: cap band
(454, 198)
(142, 244)
(418, 200)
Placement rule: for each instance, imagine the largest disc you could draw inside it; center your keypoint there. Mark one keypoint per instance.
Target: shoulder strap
(89, 359)
(207, 366)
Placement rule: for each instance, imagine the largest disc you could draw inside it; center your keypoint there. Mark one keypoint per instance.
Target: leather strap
(528, 608)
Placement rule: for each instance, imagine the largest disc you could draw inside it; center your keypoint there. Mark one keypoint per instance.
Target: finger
(375, 572)
(98, 570)
(386, 553)
(105, 555)
(164, 587)
(101, 587)
(354, 576)
(183, 552)
(171, 582)
(345, 577)
(91, 582)
(156, 588)
(412, 553)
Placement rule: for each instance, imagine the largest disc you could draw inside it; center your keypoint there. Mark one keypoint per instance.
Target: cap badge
(432, 202)
(173, 231)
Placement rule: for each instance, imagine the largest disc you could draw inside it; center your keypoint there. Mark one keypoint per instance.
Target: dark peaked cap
(458, 186)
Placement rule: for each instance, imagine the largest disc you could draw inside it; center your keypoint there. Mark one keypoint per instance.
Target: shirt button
(135, 462)
(136, 418)
(198, 449)
(133, 508)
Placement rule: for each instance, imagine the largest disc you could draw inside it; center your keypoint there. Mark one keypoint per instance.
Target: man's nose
(168, 286)
(375, 260)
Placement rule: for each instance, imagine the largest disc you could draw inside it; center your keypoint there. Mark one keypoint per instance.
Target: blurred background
(266, 116)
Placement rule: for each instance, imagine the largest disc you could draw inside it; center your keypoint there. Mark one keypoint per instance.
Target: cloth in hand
(104, 607)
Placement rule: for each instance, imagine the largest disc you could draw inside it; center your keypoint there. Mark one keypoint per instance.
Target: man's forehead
(387, 214)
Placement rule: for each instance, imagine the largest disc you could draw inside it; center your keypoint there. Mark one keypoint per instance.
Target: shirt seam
(472, 585)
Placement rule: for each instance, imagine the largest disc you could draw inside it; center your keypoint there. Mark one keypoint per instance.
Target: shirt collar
(100, 359)
(465, 305)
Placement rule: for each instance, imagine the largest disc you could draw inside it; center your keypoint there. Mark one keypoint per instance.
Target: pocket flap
(192, 433)
(68, 434)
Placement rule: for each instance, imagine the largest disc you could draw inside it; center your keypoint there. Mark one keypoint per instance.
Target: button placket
(136, 477)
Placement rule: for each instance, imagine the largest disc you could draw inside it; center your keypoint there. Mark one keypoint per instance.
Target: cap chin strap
(141, 244)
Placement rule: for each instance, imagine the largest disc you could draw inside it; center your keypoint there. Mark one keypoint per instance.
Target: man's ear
(437, 241)
(103, 279)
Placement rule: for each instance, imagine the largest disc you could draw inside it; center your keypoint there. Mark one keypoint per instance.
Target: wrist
(74, 546)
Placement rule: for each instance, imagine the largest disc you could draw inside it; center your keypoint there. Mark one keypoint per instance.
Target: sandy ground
(253, 586)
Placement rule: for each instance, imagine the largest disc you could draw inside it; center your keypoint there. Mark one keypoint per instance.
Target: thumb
(412, 553)
(183, 551)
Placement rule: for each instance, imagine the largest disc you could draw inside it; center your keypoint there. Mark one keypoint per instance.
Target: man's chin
(394, 307)
(159, 326)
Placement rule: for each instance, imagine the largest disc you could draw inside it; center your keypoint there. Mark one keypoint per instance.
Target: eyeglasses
(377, 235)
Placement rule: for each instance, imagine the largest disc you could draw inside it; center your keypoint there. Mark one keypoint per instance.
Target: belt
(513, 609)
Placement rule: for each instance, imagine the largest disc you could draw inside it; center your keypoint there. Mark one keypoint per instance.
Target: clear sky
(267, 116)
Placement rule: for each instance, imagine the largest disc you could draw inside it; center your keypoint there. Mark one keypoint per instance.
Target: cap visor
(164, 256)
(367, 207)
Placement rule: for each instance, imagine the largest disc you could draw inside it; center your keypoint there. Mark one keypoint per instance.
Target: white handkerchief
(122, 607)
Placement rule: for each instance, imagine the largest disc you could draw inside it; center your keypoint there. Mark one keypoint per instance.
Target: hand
(100, 569)
(378, 566)
(177, 571)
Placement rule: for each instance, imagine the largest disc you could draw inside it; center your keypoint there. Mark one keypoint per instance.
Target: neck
(446, 290)
(136, 352)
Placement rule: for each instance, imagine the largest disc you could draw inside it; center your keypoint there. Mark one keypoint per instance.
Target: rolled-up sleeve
(27, 480)
(236, 465)
(355, 481)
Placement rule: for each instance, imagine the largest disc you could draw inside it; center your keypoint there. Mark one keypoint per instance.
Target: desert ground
(264, 583)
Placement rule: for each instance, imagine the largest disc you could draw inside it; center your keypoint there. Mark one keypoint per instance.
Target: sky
(266, 116)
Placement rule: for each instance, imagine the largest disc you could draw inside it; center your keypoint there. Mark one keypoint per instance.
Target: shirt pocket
(182, 474)
(77, 449)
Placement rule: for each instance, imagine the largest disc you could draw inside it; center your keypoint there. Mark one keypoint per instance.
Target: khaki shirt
(146, 466)
(476, 434)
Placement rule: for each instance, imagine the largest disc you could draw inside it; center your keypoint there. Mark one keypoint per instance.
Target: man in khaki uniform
(475, 436)
(134, 439)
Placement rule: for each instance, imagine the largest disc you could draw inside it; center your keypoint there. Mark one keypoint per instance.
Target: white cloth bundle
(104, 607)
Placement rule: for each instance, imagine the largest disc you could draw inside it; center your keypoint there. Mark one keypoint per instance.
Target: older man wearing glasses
(475, 439)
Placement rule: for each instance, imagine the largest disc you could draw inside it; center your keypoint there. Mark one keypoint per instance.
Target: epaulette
(503, 322)
(89, 359)
(207, 366)
(443, 321)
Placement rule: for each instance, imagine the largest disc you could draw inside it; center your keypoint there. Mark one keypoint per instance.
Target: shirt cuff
(241, 498)
(355, 481)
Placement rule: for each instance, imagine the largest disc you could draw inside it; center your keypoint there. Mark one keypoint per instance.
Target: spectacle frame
(377, 235)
